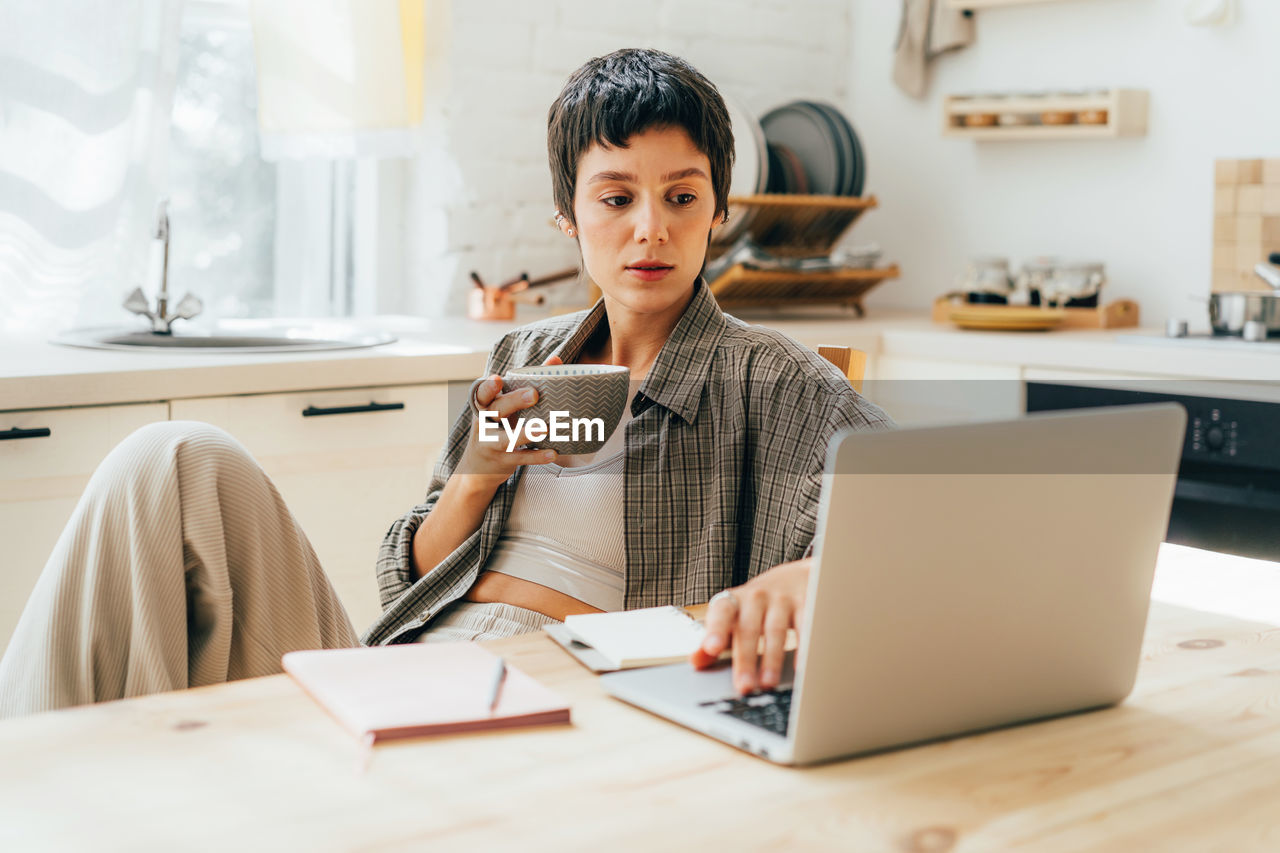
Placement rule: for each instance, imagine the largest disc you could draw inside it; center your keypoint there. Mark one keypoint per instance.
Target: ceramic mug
(587, 398)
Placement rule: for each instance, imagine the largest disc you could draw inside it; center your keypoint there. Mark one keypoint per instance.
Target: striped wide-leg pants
(180, 567)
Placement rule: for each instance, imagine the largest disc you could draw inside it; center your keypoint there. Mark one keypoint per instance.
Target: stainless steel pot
(1228, 312)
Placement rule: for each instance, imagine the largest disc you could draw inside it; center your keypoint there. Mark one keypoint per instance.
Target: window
(105, 109)
(252, 238)
(223, 195)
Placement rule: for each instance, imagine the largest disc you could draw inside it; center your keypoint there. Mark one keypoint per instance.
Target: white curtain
(85, 96)
(339, 79)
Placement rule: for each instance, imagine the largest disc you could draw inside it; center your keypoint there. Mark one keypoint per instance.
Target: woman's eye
(682, 199)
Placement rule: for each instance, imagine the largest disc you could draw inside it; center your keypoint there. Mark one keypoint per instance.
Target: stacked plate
(803, 147)
(1013, 318)
(821, 141)
(750, 166)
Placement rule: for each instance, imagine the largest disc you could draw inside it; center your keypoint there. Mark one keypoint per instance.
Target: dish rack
(792, 226)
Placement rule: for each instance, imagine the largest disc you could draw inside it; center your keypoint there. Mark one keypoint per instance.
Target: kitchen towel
(927, 29)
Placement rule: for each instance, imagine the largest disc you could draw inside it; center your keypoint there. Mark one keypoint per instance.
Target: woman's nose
(651, 223)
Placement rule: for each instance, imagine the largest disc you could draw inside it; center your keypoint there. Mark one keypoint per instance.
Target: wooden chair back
(849, 361)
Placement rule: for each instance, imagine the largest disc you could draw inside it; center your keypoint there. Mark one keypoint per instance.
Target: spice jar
(986, 280)
(980, 119)
(1075, 284)
(1031, 278)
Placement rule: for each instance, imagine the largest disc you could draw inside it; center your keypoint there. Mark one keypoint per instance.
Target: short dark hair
(612, 98)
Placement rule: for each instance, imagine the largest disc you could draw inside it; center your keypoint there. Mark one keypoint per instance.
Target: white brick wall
(480, 198)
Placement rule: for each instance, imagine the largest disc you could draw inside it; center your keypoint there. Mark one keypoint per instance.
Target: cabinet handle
(16, 432)
(316, 411)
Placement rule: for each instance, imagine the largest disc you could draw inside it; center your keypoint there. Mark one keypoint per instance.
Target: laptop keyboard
(769, 710)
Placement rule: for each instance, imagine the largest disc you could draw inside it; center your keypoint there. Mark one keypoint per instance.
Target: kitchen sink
(250, 338)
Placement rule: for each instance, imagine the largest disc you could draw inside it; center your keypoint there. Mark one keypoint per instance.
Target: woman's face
(643, 215)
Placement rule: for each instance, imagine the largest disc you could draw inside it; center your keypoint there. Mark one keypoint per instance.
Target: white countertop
(36, 374)
(1138, 351)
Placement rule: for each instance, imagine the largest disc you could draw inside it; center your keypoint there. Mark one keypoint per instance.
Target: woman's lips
(650, 273)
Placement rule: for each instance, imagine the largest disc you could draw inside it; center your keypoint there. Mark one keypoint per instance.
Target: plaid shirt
(723, 464)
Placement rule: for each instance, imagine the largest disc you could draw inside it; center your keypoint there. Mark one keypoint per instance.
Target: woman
(716, 464)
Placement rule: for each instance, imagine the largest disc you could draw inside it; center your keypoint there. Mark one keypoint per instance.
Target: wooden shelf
(740, 287)
(1126, 111)
(826, 202)
(795, 225)
(1023, 105)
(1021, 133)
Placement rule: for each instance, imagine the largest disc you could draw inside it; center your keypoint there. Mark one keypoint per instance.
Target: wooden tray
(1120, 314)
(741, 287)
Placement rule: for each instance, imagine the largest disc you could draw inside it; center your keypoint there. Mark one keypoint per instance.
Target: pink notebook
(420, 689)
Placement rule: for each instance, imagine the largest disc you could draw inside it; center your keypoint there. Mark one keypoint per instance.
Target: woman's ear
(562, 222)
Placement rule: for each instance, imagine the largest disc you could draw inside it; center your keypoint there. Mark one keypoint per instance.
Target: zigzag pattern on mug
(583, 396)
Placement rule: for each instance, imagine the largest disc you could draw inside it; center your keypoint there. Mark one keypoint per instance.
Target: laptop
(965, 578)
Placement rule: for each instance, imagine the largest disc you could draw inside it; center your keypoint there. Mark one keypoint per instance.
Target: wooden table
(1190, 762)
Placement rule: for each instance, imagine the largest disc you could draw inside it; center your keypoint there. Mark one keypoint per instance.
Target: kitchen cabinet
(921, 391)
(41, 479)
(346, 469)
(1047, 374)
(345, 474)
(917, 391)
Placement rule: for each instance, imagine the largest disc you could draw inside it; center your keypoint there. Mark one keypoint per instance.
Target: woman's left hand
(767, 605)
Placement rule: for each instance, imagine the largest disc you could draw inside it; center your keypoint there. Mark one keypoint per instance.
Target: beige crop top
(565, 531)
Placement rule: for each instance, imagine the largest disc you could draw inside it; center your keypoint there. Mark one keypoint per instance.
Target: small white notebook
(633, 638)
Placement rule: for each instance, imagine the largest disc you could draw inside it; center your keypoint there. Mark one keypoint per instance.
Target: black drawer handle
(316, 411)
(38, 432)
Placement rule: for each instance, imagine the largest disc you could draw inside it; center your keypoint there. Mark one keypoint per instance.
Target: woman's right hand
(489, 464)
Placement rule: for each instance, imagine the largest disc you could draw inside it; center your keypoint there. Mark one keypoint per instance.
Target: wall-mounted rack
(1102, 114)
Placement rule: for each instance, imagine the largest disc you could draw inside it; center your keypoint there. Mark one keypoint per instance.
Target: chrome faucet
(188, 307)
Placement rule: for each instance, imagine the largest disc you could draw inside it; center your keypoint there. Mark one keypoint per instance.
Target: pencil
(499, 677)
